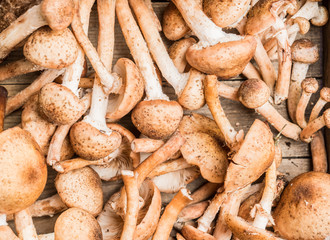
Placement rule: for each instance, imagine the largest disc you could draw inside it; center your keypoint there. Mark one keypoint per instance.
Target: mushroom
(191, 233)
(60, 103)
(319, 153)
(303, 210)
(91, 138)
(81, 188)
(190, 212)
(156, 117)
(262, 16)
(24, 225)
(76, 223)
(299, 24)
(304, 53)
(321, 102)
(225, 55)
(306, 134)
(309, 86)
(146, 145)
(57, 14)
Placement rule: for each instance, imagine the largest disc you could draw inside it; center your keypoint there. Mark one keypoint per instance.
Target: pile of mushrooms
(74, 120)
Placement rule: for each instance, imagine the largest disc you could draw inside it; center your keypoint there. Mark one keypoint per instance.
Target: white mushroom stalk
(24, 225)
(57, 14)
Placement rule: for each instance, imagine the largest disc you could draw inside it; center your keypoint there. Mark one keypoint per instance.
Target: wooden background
(296, 155)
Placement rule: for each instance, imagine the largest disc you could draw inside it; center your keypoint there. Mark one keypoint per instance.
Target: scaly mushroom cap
(157, 119)
(23, 170)
(58, 14)
(310, 85)
(132, 91)
(76, 223)
(322, 18)
(204, 151)
(51, 49)
(253, 157)
(81, 188)
(225, 12)
(92, 144)
(59, 104)
(305, 51)
(225, 59)
(304, 208)
(174, 26)
(192, 96)
(253, 93)
(325, 94)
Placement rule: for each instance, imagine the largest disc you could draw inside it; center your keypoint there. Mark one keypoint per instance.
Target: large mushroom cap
(305, 51)
(76, 223)
(81, 188)
(90, 143)
(132, 91)
(225, 12)
(58, 14)
(225, 59)
(23, 170)
(51, 49)
(157, 119)
(59, 104)
(304, 208)
(253, 93)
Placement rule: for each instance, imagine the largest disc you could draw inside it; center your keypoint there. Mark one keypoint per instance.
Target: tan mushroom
(57, 14)
(303, 210)
(191, 233)
(177, 52)
(306, 134)
(76, 223)
(321, 102)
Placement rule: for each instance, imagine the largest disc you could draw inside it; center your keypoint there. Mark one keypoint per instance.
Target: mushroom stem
(319, 153)
(299, 71)
(171, 213)
(169, 166)
(7, 234)
(146, 145)
(251, 72)
(306, 134)
(132, 209)
(321, 102)
(3, 101)
(20, 98)
(17, 68)
(204, 192)
(227, 91)
(24, 225)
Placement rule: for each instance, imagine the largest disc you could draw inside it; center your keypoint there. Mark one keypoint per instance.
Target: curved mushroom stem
(146, 145)
(132, 209)
(169, 166)
(20, 98)
(170, 214)
(24, 225)
(3, 102)
(319, 153)
(306, 134)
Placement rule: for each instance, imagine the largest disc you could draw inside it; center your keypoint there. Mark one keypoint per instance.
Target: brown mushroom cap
(92, 144)
(225, 59)
(253, 93)
(23, 170)
(157, 119)
(310, 85)
(76, 223)
(58, 14)
(303, 24)
(174, 26)
(51, 49)
(304, 208)
(81, 188)
(305, 51)
(122, 103)
(59, 104)
(226, 12)
(322, 17)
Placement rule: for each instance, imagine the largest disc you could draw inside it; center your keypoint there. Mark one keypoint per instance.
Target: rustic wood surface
(296, 155)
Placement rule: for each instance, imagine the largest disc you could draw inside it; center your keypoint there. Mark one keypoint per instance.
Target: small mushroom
(177, 52)
(306, 134)
(76, 223)
(57, 14)
(301, 25)
(303, 210)
(321, 102)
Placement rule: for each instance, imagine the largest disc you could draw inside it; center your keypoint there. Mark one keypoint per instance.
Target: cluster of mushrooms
(71, 122)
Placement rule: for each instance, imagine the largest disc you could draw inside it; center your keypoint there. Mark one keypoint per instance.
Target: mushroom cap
(58, 14)
(303, 23)
(224, 59)
(157, 119)
(192, 96)
(326, 116)
(190, 232)
(254, 156)
(322, 17)
(303, 211)
(60, 105)
(76, 223)
(253, 93)
(23, 170)
(225, 12)
(305, 51)
(173, 24)
(121, 104)
(91, 143)
(204, 151)
(310, 85)
(325, 94)
(81, 188)
(51, 49)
